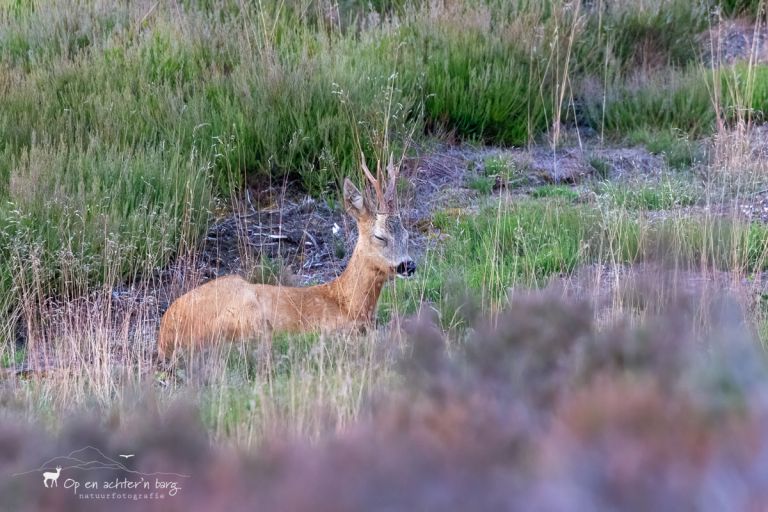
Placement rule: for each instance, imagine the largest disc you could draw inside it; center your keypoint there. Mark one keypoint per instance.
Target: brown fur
(230, 308)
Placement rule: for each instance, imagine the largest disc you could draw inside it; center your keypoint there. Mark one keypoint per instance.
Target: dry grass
(98, 353)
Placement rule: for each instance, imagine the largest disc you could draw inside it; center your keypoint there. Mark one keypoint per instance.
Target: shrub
(673, 101)
(733, 8)
(478, 85)
(624, 37)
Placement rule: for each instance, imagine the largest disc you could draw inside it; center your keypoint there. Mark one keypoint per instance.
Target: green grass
(97, 215)
(486, 254)
(497, 166)
(528, 242)
(482, 184)
(292, 386)
(10, 359)
(564, 192)
(745, 92)
(246, 114)
(677, 149)
(670, 107)
(477, 85)
(669, 100)
(496, 169)
(669, 193)
(601, 167)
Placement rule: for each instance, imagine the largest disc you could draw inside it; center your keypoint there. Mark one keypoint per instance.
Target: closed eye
(380, 238)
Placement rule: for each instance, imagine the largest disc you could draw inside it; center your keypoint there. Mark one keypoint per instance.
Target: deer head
(382, 239)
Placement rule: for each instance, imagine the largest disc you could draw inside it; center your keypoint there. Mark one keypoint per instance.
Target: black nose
(406, 268)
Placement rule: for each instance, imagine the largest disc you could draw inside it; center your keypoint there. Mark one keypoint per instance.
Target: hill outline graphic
(75, 460)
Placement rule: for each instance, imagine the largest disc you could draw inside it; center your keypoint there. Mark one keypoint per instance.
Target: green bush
(557, 191)
(478, 85)
(682, 102)
(745, 92)
(622, 37)
(667, 101)
(732, 8)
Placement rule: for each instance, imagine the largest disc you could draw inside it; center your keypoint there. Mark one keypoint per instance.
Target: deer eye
(380, 239)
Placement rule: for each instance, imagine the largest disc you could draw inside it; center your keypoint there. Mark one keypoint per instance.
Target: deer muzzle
(406, 268)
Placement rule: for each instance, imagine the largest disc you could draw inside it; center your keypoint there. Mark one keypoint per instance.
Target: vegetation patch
(670, 193)
(528, 242)
(564, 192)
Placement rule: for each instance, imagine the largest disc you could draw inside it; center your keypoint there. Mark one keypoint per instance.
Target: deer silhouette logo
(53, 476)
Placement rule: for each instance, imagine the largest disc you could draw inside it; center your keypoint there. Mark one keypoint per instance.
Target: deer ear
(354, 202)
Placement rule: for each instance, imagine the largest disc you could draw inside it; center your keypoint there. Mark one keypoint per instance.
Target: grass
(667, 108)
(290, 388)
(98, 214)
(601, 167)
(566, 193)
(671, 100)
(225, 94)
(528, 243)
(677, 149)
(496, 171)
(523, 244)
(635, 37)
(478, 85)
(671, 192)
(482, 184)
(11, 358)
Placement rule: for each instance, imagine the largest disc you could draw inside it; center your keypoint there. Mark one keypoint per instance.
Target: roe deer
(231, 308)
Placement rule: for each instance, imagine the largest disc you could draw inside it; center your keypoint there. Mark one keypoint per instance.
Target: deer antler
(385, 198)
(392, 172)
(380, 197)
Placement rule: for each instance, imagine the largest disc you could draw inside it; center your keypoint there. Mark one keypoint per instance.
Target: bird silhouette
(126, 456)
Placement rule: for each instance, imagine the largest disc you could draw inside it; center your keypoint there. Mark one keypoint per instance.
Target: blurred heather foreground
(538, 408)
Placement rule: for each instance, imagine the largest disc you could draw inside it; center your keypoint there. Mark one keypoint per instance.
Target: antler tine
(374, 181)
(392, 173)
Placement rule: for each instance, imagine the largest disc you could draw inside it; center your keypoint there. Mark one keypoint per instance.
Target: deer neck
(357, 289)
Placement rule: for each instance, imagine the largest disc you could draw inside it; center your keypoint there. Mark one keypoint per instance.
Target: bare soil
(732, 41)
